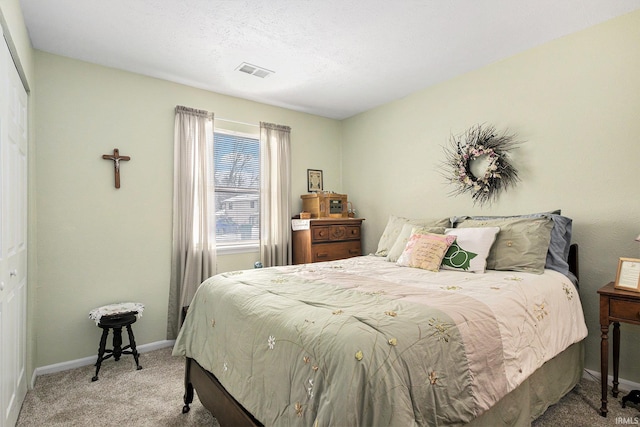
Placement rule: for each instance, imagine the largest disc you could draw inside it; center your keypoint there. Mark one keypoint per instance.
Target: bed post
(188, 387)
(574, 267)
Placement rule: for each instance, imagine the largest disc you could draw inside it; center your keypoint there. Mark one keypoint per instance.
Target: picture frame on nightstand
(628, 275)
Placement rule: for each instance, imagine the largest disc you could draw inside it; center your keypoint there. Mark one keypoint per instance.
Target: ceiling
(333, 58)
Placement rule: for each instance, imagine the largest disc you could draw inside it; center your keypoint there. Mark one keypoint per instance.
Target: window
(237, 188)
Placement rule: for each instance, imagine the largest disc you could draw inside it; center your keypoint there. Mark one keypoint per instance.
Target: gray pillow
(394, 227)
(521, 244)
(558, 253)
(406, 231)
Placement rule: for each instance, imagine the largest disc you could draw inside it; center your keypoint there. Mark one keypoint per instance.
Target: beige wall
(98, 245)
(576, 103)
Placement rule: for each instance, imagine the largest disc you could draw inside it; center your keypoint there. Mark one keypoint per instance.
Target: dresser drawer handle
(323, 255)
(353, 251)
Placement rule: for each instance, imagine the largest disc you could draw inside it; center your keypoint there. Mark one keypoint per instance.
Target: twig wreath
(480, 143)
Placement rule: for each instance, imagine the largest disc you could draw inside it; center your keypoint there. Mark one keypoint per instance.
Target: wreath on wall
(480, 144)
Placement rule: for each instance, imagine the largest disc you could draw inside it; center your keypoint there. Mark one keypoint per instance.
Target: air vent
(254, 70)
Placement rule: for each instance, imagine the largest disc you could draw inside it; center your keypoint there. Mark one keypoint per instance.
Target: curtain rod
(235, 121)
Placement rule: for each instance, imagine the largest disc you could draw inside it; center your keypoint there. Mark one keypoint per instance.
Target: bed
(383, 339)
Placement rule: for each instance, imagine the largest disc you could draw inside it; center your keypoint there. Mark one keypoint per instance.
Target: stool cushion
(113, 309)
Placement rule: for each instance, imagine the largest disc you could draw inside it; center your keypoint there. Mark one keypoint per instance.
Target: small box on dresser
(325, 205)
(327, 239)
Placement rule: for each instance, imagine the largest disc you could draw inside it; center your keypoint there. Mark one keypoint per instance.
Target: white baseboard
(624, 384)
(64, 366)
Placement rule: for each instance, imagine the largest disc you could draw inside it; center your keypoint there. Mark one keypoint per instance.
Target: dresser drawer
(320, 234)
(625, 310)
(332, 251)
(335, 233)
(352, 233)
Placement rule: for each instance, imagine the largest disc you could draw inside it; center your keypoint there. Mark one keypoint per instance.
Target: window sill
(237, 249)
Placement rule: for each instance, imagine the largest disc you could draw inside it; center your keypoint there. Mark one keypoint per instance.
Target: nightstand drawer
(625, 310)
(332, 251)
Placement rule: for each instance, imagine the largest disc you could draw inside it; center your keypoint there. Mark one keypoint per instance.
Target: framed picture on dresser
(314, 180)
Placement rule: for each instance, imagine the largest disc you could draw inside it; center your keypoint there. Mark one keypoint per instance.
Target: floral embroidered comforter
(366, 342)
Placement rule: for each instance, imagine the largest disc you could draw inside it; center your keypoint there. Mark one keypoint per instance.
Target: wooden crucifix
(116, 157)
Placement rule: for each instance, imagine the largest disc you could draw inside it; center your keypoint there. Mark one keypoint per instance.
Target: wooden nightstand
(327, 239)
(616, 306)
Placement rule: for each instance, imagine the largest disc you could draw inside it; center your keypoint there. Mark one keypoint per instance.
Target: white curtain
(275, 195)
(193, 251)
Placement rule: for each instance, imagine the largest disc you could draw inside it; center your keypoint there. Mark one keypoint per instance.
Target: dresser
(327, 239)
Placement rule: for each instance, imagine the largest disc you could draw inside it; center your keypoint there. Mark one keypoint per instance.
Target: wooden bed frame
(214, 397)
(225, 408)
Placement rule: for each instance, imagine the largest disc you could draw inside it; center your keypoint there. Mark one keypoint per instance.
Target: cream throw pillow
(425, 251)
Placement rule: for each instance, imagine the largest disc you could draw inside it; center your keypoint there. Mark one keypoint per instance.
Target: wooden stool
(116, 316)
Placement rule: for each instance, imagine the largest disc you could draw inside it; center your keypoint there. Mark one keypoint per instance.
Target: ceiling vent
(254, 70)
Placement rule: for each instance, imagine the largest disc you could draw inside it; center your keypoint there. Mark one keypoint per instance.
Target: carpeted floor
(122, 396)
(153, 397)
(581, 408)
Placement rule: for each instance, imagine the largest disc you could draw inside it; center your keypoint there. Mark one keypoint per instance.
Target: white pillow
(406, 232)
(470, 250)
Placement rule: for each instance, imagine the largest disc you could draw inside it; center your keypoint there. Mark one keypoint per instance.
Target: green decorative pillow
(406, 232)
(457, 258)
(394, 227)
(425, 251)
(470, 250)
(521, 244)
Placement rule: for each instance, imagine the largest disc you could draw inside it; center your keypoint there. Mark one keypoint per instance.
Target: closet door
(13, 239)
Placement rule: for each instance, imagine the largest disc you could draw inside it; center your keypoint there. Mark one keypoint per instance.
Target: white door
(13, 239)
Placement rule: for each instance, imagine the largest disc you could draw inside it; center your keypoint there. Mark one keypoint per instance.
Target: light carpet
(122, 396)
(153, 397)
